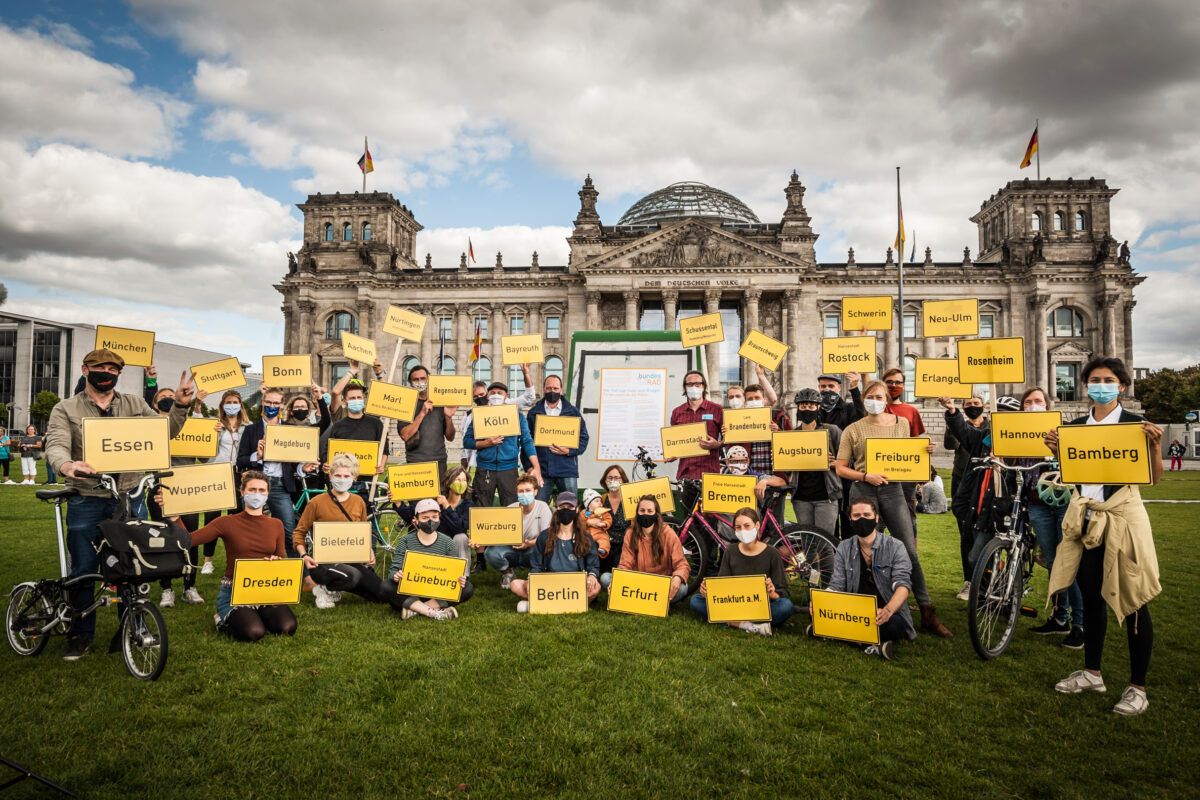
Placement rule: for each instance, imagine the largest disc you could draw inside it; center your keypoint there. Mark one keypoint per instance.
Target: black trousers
(489, 482)
(357, 579)
(1139, 630)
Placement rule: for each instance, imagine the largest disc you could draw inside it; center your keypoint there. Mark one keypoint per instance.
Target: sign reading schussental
(126, 444)
(704, 329)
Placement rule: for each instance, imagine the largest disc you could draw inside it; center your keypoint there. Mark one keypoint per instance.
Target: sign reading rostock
(204, 487)
(136, 347)
(291, 444)
(728, 494)
(392, 401)
(413, 481)
(950, 318)
(1105, 454)
(762, 349)
(522, 349)
(660, 488)
(800, 451)
(1019, 434)
(217, 376)
(991, 360)
(427, 575)
(126, 444)
(196, 439)
(848, 354)
(262, 582)
(872, 313)
(341, 542)
(496, 525)
(280, 371)
(845, 616)
(899, 459)
(701, 330)
(938, 377)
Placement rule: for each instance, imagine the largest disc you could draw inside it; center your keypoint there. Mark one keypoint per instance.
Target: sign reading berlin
(991, 360)
(558, 593)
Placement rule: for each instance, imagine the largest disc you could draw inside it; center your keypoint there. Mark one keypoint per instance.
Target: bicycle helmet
(808, 396)
(1008, 403)
(1052, 491)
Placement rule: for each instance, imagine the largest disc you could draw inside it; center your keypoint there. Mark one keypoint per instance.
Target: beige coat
(1130, 564)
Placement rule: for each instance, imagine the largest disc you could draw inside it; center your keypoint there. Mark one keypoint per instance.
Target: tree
(3, 413)
(42, 405)
(3, 293)
(1168, 394)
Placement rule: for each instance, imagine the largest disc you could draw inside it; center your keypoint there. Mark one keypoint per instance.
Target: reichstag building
(1045, 267)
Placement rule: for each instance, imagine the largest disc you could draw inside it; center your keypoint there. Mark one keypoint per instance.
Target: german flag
(364, 163)
(1030, 150)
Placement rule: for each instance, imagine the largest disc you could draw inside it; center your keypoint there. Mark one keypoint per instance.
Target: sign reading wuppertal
(841, 615)
(358, 348)
(762, 349)
(938, 377)
(991, 360)
(1106, 454)
(392, 401)
(136, 347)
(413, 481)
(737, 598)
(728, 494)
(291, 444)
(1018, 434)
(489, 421)
(631, 493)
(406, 324)
(259, 582)
(367, 453)
(800, 451)
(558, 593)
(950, 318)
(899, 459)
(522, 349)
(341, 542)
(427, 575)
(450, 390)
(747, 425)
(126, 444)
(204, 487)
(704, 329)
(639, 593)
(493, 526)
(683, 441)
(867, 313)
(217, 376)
(280, 371)
(561, 431)
(197, 438)
(848, 354)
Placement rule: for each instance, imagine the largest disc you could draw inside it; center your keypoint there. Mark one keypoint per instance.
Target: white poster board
(633, 407)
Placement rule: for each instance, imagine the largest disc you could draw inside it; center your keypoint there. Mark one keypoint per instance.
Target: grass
(359, 703)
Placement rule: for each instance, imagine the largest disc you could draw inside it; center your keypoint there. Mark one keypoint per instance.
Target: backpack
(137, 550)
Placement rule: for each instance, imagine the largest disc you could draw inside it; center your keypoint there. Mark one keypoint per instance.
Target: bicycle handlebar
(987, 462)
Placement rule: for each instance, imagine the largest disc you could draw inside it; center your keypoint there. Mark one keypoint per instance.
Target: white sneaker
(27, 483)
(337, 596)
(323, 597)
(761, 628)
(523, 607)
(192, 596)
(1133, 702)
(445, 613)
(1080, 681)
(168, 599)
(506, 580)
(964, 593)
(407, 613)
(9, 482)
(207, 569)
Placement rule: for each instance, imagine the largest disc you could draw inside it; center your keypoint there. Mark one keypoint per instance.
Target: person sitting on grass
(751, 556)
(652, 546)
(426, 539)
(870, 563)
(535, 518)
(456, 509)
(563, 547)
(597, 519)
(248, 534)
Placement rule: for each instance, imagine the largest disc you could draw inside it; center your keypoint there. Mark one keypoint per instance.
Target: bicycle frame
(699, 515)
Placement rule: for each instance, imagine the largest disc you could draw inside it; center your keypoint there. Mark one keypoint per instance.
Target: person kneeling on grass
(752, 557)
(247, 534)
(563, 547)
(339, 504)
(426, 539)
(652, 546)
(869, 563)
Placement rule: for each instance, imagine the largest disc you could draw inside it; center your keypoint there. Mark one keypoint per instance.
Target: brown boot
(931, 623)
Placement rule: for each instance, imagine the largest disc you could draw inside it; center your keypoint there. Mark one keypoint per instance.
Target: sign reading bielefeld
(126, 444)
(341, 542)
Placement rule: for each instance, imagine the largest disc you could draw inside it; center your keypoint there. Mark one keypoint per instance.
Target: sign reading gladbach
(1018, 434)
(196, 439)
(704, 329)
(495, 526)
(659, 487)
(427, 575)
(291, 444)
(561, 431)
(938, 377)
(727, 494)
(899, 459)
(280, 371)
(867, 313)
(846, 616)
(341, 542)
(204, 487)
(489, 421)
(747, 425)
(683, 441)
(848, 354)
(558, 592)
(522, 349)
(737, 598)
(800, 451)
(413, 481)
(406, 324)
(450, 390)
(126, 444)
(259, 582)
(762, 349)
(1107, 454)
(639, 593)
(991, 360)
(217, 376)
(367, 453)
(136, 347)
(950, 318)
(392, 401)
(358, 348)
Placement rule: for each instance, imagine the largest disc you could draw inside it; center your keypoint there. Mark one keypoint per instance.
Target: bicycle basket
(138, 550)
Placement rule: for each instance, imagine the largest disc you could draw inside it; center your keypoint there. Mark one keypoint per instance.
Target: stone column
(791, 378)
(891, 347)
(670, 309)
(712, 353)
(496, 332)
(631, 309)
(1109, 304)
(1042, 375)
(750, 305)
(1128, 337)
(427, 353)
(593, 311)
(366, 318)
(533, 324)
(464, 340)
(289, 331)
(307, 311)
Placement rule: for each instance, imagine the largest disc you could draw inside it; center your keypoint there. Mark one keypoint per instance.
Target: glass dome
(688, 199)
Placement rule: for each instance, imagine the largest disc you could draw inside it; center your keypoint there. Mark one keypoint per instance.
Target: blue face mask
(270, 413)
(356, 406)
(327, 397)
(231, 409)
(1103, 393)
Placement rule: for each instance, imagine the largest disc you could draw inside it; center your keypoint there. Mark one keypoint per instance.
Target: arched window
(347, 232)
(340, 321)
(1064, 322)
(366, 231)
(1080, 221)
(516, 380)
(447, 365)
(1060, 221)
(554, 366)
(1036, 221)
(483, 369)
(408, 363)
(329, 231)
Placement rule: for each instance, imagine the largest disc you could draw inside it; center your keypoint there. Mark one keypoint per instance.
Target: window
(329, 231)
(832, 323)
(653, 318)
(408, 363)
(1036, 221)
(481, 325)
(1065, 381)
(987, 326)
(910, 326)
(8, 367)
(516, 380)
(448, 365)
(1060, 221)
(984, 390)
(347, 232)
(446, 329)
(340, 321)
(553, 327)
(516, 326)
(910, 378)
(1064, 322)
(366, 231)
(337, 372)
(483, 369)
(554, 366)
(1080, 221)
(731, 363)
(46, 363)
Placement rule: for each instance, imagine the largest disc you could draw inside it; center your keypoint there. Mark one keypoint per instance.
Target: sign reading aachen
(1105, 454)
(358, 348)
(136, 347)
(126, 444)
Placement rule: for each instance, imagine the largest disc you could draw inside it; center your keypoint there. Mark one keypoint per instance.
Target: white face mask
(736, 402)
(341, 484)
(613, 486)
(754, 404)
(745, 535)
(420, 386)
(694, 392)
(495, 399)
(738, 469)
(1035, 407)
(875, 406)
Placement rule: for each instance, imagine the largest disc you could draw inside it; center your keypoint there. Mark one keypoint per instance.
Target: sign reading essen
(341, 542)
(217, 376)
(867, 313)
(747, 425)
(259, 582)
(762, 349)
(408, 325)
(991, 360)
(196, 439)
(848, 354)
(737, 598)
(489, 421)
(136, 347)
(561, 431)
(358, 348)
(639, 593)
(367, 453)
(496, 525)
(522, 349)
(450, 390)
(413, 481)
(436, 577)
(800, 451)
(1018, 434)
(1107, 454)
(950, 318)
(683, 441)
(558, 593)
(280, 371)
(392, 401)
(845, 616)
(727, 494)
(126, 444)
(204, 487)
(701, 330)
(938, 377)
(291, 444)
(660, 488)
(899, 459)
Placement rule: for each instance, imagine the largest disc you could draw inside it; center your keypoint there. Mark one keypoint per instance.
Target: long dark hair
(451, 474)
(657, 551)
(583, 542)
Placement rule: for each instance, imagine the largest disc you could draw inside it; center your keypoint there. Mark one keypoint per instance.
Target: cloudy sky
(151, 152)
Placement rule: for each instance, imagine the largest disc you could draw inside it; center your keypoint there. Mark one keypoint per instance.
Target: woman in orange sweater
(653, 546)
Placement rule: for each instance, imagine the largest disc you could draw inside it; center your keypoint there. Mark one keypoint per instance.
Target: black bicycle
(40, 609)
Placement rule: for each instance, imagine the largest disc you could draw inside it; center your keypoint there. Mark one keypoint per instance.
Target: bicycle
(306, 494)
(39, 609)
(1003, 570)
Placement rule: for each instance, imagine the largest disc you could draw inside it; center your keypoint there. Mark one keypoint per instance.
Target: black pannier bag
(139, 550)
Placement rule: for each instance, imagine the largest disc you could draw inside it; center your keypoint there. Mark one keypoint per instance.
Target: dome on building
(688, 199)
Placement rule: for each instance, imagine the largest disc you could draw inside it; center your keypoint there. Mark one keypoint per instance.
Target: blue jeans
(50, 477)
(503, 557)
(560, 484)
(781, 608)
(279, 503)
(83, 515)
(1047, 526)
(606, 583)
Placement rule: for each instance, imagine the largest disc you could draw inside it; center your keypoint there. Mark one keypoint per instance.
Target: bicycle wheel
(992, 606)
(28, 612)
(144, 640)
(807, 560)
(695, 550)
(388, 529)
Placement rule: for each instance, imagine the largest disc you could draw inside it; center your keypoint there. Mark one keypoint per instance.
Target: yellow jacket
(1130, 563)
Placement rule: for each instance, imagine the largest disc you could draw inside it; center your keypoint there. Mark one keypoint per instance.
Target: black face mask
(300, 414)
(553, 397)
(565, 516)
(645, 520)
(429, 526)
(164, 405)
(481, 401)
(829, 400)
(973, 412)
(863, 527)
(102, 381)
(806, 416)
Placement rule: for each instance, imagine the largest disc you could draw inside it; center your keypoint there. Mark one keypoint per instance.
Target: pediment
(691, 243)
(334, 350)
(1070, 350)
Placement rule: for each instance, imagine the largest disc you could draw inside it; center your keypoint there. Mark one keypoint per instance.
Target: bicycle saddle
(54, 494)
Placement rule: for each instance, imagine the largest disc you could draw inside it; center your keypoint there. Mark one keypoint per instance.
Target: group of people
(562, 532)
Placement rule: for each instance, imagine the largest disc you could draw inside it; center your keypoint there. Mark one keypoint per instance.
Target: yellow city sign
(848, 354)
(683, 441)
(358, 348)
(747, 425)
(950, 318)
(660, 488)
(1018, 434)
(558, 593)
(846, 616)
(495, 525)
(800, 451)
(405, 324)
(762, 349)
(367, 453)
(217, 376)
(198, 438)
(561, 431)
(938, 377)
(704, 329)
(727, 494)
(1107, 454)
(737, 598)
(392, 401)
(522, 349)
(204, 487)
(899, 459)
(126, 444)
(639, 593)
(872, 313)
(341, 542)
(450, 390)
(413, 481)
(489, 421)
(280, 371)
(427, 575)
(991, 360)
(295, 444)
(259, 582)
(136, 347)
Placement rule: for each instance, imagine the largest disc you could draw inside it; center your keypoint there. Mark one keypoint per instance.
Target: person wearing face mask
(164, 403)
(1108, 547)
(737, 462)
(816, 496)
(560, 465)
(478, 398)
(426, 436)
(248, 534)
(872, 564)
(357, 426)
(455, 508)
(233, 420)
(698, 409)
(498, 457)
(892, 505)
(893, 379)
(64, 449)
(653, 546)
(614, 477)
(759, 395)
(835, 410)
(751, 556)
(968, 435)
(311, 409)
(426, 539)
(535, 518)
(563, 547)
(735, 398)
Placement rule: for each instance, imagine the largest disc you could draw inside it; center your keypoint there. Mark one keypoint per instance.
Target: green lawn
(600, 705)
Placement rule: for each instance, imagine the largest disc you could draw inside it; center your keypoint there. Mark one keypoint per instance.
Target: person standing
(816, 496)
(497, 458)
(970, 436)
(32, 447)
(357, 426)
(560, 465)
(841, 413)
(426, 436)
(6, 455)
(1176, 451)
(698, 409)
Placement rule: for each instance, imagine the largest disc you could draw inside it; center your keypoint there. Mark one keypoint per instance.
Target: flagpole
(364, 167)
(1037, 126)
(899, 226)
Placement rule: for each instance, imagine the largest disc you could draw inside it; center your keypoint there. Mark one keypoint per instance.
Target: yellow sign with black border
(341, 542)
(938, 377)
(558, 593)
(358, 348)
(291, 444)
(406, 324)
(367, 453)
(631, 493)
(489, 421)
(414, 481)
(641, 593)
(136, 347)
(561, 431)
(747, 425)
(991, 360)
(126, 444)
(450, 390)
(217, 376)
(1107, 454)
(848, 354)
(392, 401)
(283, 371)
(872, 313)
(762, 349)
(203, 487)
(436, 577)
(267, 582)
(523, 348)
(844, 615)
(198, 438)
(701, 330)
(495, 525)
(800, 451)
(737, 598)
(950, 318)
(728, 494)
(899, 459)
(1019, 434)
(683, 441)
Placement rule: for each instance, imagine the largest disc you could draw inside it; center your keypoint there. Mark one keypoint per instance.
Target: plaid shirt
(760, 452)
